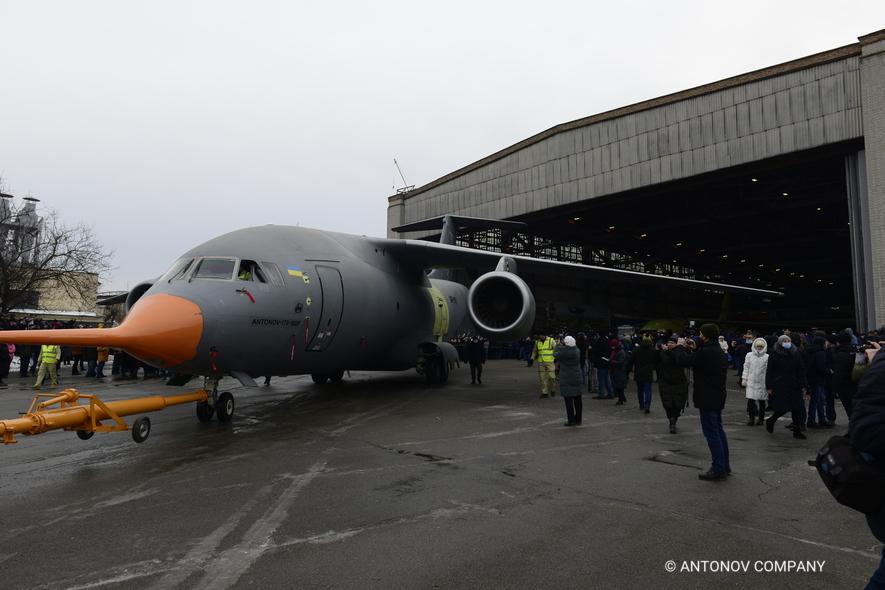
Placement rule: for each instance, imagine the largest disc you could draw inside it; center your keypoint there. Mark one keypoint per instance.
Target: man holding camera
(710, 367)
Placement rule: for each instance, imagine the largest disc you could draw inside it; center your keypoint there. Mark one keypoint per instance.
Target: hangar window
(215, 268)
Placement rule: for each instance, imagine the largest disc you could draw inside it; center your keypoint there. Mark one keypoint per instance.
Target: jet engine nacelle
(501, 305)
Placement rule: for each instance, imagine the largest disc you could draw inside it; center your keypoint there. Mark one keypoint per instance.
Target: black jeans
(475, 373)
(756, 408)
(796, 412)
(846, 397)
(573, 408)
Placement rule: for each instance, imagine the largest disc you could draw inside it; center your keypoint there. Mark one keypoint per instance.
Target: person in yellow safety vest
(48, 363)
(543, 354)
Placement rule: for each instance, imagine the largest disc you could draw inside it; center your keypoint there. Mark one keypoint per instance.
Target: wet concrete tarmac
(385, 482)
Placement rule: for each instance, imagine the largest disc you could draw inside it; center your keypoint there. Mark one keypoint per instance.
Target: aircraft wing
(426, 255)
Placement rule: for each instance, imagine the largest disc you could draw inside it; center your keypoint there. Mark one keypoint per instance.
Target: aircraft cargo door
(333, 306)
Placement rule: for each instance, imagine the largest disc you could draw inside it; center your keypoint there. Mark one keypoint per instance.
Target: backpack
(854, 478)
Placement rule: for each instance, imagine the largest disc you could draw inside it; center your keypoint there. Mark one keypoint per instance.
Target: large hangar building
(774, 179)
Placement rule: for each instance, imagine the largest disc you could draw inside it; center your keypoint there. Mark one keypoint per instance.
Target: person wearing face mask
(753, 379)
(786, 381)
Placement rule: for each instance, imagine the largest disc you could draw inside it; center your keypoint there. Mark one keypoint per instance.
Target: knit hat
(783, 338)
(710, 331)
(568, 341)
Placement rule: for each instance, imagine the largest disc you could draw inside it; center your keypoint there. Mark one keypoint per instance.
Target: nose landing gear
(221, 405)
(321, 378)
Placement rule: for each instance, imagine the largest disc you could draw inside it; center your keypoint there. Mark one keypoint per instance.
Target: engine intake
(501, 305)
(136, 293)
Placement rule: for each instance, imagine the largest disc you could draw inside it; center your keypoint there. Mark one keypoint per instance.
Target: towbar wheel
(141, 429)
(85, 434)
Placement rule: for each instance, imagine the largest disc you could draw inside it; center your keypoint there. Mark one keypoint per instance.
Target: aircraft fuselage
(314, 302)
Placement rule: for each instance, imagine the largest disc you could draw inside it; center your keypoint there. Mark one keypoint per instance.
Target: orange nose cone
(162, 329)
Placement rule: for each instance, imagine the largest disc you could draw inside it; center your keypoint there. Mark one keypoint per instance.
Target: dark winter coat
(475, 352)
(642, 362)
(582, 344)
(672, 382)
(741, 350)
(816, 363)
(710, 366)
(867, 424)
(785, 378)
(843, 365)
(5, 361)
(569, 359)
(599, 352)
(618, 368)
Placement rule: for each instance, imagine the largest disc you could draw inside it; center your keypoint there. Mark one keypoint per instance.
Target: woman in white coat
(753, 379)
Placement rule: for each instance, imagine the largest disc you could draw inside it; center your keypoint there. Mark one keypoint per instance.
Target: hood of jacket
(764, 344)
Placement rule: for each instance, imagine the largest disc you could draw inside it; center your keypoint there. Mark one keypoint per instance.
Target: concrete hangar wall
(774, 178)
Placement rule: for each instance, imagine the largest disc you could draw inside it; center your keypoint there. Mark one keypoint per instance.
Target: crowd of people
(801, 373)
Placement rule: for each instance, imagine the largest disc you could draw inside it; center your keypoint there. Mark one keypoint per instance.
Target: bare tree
(39, 252)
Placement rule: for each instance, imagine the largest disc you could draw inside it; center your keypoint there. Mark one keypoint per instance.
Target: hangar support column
(861, 254)
(872, 84)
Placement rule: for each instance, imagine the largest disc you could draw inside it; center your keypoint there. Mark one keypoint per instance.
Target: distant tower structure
(20, 230)
(5, 218)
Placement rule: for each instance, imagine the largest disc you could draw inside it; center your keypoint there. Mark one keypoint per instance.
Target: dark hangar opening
(780, 224)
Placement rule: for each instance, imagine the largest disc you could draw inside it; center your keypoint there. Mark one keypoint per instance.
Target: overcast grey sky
(164, 124)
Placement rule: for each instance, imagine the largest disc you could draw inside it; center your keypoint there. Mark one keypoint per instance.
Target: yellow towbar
(86, 419)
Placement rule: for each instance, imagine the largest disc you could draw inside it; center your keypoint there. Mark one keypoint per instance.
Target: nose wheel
(224, 407)
(220, 405)
(204, 412)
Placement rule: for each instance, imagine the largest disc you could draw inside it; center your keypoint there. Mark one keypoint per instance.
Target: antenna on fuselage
(406, 186)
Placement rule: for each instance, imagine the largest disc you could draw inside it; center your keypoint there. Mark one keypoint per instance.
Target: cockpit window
(250, 271)
(215, 268)
(178, 271)
(273, 273)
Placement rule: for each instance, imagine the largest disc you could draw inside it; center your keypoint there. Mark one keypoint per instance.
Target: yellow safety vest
(545, 350)
(49, 353)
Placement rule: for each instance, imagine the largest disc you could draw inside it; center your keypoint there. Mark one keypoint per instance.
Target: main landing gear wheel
(141, 429)
(336, 377)
(224, 407)
(204, 412)
(318, 378)
(85, 434)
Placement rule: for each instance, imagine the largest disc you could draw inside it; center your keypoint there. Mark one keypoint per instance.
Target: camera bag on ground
(854, 478)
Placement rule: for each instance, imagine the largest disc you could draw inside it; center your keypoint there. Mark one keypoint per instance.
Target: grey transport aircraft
(281, 300)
